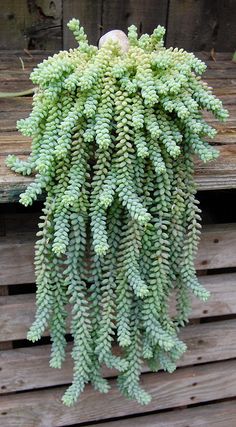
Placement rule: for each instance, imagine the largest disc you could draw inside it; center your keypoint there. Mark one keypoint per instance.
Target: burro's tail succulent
(114, 130)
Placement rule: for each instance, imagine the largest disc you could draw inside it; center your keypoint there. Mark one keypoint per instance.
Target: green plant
(113, 137)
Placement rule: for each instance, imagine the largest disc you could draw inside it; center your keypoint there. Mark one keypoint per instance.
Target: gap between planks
(21, 369)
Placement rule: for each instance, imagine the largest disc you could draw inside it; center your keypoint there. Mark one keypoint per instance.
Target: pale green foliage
(113, 135)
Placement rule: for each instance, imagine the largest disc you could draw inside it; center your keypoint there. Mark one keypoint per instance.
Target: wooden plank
(4, 345)
(14, 75)
(200, 25)
(22, 59)
(17, 311)
(216, 250)
(34, 24)
(89, 12)
(145, 15)
(232, 110)
(17, 260)
(222, 86)
(218, 56)
(14, 143)
(215, 415)
(8, 119)
(209, 342)
(15, 86)
(220, 173)
(214, 182)
(220, 303)
(186, 386)
(21, 369)
(217, 247)
(23, 103)
(224, 167)
(8, 53)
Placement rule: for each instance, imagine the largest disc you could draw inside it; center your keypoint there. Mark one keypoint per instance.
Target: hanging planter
(114, 131)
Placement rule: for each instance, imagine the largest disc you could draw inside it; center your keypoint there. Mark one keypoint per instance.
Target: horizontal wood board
(215, 415)
(216, 250)
(17, 311)
(28, 368)
(186, 386)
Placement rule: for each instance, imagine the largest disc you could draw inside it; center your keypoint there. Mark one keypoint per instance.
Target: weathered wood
(22, 59)
(145, 15)
(31, 24)
(28, 368)
(201, 25)
(214, 182)
(16, 314)
(220, 173)
(9, 119)
(17, 311)
(89, 12)
(220, 73)
(220, 303)
(17, 259)
(99, 16)
(15, 86)
(15, 104)
(223, 168)
(218, 56)
(13, 59)
(4, 345)
(216, 250)
(215, 415)
(14, 75)
(14, 143)
(186, 386)
(208, 342)
(217, 247)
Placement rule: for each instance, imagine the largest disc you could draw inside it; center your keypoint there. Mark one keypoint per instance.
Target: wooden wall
(192, 24)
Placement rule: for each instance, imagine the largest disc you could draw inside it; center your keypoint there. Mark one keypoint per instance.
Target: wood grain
(4, 345)
(34, 24)
(215, 415)
(21, 369)
(218, 174)
(17, 259)
(89, 12)
(201, 25)
(17, 311)
(216, 250)
(186, 386)
(217, 247)
(145, 15)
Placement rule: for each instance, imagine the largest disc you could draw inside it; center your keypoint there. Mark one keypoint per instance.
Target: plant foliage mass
(113, 138)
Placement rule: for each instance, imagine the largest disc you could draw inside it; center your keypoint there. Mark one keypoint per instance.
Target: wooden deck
(202, 391)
